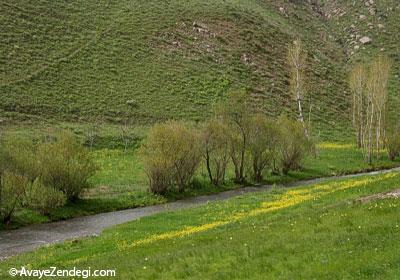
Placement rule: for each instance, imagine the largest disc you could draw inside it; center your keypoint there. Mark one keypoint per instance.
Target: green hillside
(85, 61)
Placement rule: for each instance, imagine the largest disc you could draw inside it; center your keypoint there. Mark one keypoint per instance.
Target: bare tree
(126, 134)
(357, 83)
(379, 76)
(92, 133)
(297, 62)
(376, 107)
(369, 125)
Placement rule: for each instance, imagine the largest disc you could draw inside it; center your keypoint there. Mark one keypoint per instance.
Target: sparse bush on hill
(215, 149)
(171, 155)
(264, 139)
(65, 165)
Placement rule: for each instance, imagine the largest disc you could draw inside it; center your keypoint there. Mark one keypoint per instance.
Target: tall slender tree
(378, 84)
(357, 83)
(297, 62)
(370, 104)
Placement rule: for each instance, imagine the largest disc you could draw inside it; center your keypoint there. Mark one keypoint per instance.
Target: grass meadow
(320, 231)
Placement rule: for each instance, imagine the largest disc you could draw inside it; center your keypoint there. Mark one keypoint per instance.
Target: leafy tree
(236, 112)
(294, 144)
(171, 155)
(264, 138)
(215, 149)
(17, 168)
(65, 165)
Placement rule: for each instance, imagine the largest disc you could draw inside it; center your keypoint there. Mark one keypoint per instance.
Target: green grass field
(313, 232)
(120, 183)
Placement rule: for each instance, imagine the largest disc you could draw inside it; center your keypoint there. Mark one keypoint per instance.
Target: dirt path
(31, 237)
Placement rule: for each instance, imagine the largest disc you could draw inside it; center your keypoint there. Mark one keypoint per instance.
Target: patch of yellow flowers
(336, 146)
(288, 199)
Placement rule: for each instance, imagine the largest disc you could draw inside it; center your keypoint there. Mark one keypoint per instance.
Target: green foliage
(393, 143)
(65, 165)
(12, 191)
(264, 142)
(171, 155)
(294, 144)
(42, 176)
(236, 112)
(17, 168)
(120, 182)
(43, 198)
(17, 155)
(215, 149)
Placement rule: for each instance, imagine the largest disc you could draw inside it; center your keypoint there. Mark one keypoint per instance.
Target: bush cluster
(171, 156)
(393, 143)
(42, 176)
(252, 143)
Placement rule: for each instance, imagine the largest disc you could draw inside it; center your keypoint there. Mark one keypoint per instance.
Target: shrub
(158, 169)
(264, 138)
(16, 170)
(65, 165)
(236, 112)
(294, 144)
(44, 198)
(215, 149)
(393, 144)
(18, 156)
(12, 191)
(171, 155)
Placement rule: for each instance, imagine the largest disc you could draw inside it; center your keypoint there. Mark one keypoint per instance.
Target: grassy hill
(85, 61)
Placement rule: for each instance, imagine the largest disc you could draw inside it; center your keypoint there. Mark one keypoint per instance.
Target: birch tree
(376, 107)
(380, 69)
(357, 83)
(297, 62)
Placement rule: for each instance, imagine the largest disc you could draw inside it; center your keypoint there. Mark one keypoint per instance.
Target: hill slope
(153, 60)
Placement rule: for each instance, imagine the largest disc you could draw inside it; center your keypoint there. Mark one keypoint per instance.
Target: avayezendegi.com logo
(55, 272)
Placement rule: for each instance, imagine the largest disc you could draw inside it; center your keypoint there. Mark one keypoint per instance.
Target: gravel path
(31, 237)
